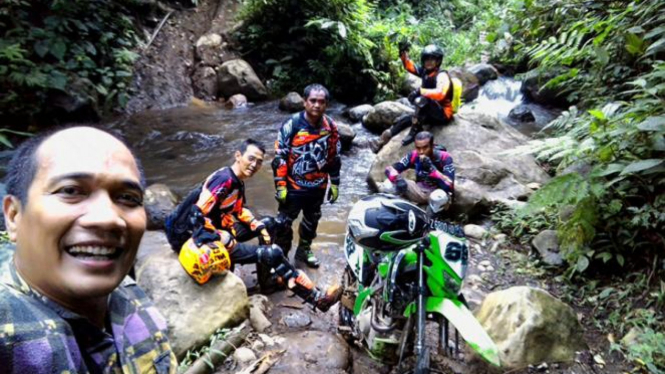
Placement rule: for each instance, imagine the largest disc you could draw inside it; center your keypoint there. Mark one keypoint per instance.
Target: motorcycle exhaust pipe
(375, 324)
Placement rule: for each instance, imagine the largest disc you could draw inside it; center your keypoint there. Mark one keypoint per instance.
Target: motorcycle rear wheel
(345, 315)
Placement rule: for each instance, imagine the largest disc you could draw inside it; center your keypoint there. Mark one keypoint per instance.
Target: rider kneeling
(435, 175)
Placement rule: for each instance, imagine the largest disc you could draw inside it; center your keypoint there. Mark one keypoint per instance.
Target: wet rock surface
(238, 77)
(193, 312)
(159, 202)
(292, 102)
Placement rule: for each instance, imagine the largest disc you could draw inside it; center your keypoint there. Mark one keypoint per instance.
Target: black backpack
(178, 224)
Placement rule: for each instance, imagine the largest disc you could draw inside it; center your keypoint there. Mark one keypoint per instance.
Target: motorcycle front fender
(464, 321)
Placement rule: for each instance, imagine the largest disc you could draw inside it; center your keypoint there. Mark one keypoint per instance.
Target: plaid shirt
(39, 336)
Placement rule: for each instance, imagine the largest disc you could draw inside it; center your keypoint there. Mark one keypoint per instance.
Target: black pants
(310, 205)
(244, 253)
(430, 114)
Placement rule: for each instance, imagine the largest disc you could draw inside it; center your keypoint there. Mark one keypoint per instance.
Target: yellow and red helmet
(204, 261)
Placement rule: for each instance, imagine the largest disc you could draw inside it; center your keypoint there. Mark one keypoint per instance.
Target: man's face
(316, 104)
(424, 148)
(430, 64)
(77, 236)
(249, 162)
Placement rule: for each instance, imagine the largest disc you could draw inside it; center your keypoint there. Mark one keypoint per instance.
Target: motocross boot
(376, 144)
(416, 127)
(304, 254)
(304, 288)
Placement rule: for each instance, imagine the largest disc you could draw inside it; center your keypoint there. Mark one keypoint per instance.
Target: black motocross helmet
(431, 51)
(386, 222)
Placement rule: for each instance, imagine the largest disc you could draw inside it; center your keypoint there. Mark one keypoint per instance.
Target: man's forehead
(83, 150)
(318, 94)
(253, 151)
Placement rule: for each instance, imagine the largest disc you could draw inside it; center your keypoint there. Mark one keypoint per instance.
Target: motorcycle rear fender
(464, 321)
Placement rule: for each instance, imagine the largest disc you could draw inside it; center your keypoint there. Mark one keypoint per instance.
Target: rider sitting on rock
(215, 217)
(435, 175)
(433, 101)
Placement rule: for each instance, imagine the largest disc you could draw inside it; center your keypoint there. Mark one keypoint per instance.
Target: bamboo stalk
(220, 351)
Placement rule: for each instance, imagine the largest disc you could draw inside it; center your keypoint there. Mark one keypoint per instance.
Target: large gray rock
(237, 76)
(204, 83)
(292, 102)
(410, 84)
(357, 113)
(484, 72)
(346, 135)
(384, 114)
(484, 176)
(193, 312)
(312, 352)
(533, 89)
(529, 327)
(159, 202)
(547, 245)
(209, 49)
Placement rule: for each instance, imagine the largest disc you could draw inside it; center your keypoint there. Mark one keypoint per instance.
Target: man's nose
(102, 212)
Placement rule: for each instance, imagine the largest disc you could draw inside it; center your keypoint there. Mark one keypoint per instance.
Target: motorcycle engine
(382, 346)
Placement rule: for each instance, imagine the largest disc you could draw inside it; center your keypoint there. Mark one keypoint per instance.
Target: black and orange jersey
(221, 202)
(305, 156)
(435, 85)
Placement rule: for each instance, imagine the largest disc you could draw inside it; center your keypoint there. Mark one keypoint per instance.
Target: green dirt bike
(403, 269)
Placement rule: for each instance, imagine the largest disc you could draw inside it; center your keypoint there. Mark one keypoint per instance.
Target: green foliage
(523, 224)
(205, 351)
(609, 59)
(348, 45)
(50, 47)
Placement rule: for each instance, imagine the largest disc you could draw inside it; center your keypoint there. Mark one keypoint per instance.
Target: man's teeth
(93, 250)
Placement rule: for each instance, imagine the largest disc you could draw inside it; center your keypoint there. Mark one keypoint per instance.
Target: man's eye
(130, 199)
(70, 191)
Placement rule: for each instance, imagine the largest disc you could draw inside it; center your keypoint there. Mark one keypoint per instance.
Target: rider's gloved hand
(202, 236)
(259, 226)
(426, 164)
(333, 194)
(280, 195)
(403, 47)
(401, 186)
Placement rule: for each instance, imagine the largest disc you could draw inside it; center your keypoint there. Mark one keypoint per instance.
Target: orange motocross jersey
(436, 85)
(305, 156)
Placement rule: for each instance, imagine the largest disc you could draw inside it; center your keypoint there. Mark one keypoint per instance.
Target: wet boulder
(346, 135)
(547, 245)
(484, 72)
(237, 76)
(410, 84)
(522, 113)
(204, 83)
(357, 113)
(209, 50)
(236, 101)
(383, 115)
(193, 312)
(312, 352)
(533, 88)
(159, 202)
(292, 103)
(530, 326)
(484, 176)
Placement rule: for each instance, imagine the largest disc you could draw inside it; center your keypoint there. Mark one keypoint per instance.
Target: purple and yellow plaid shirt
(39, 336)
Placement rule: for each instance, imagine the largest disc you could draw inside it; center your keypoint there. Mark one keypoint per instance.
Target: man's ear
(238, 155)
(11, 208)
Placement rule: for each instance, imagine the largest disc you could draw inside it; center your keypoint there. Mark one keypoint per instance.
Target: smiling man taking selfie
(74, 208)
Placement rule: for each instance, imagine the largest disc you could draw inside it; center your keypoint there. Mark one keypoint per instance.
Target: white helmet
(439, 200)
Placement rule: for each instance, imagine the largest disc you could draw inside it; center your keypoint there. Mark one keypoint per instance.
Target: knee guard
(204, 261)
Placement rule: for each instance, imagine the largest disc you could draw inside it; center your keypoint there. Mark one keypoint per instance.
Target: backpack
(456, 88)
(178, 225)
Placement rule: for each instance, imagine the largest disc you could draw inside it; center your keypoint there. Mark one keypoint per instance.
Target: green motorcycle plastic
(390, 291)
